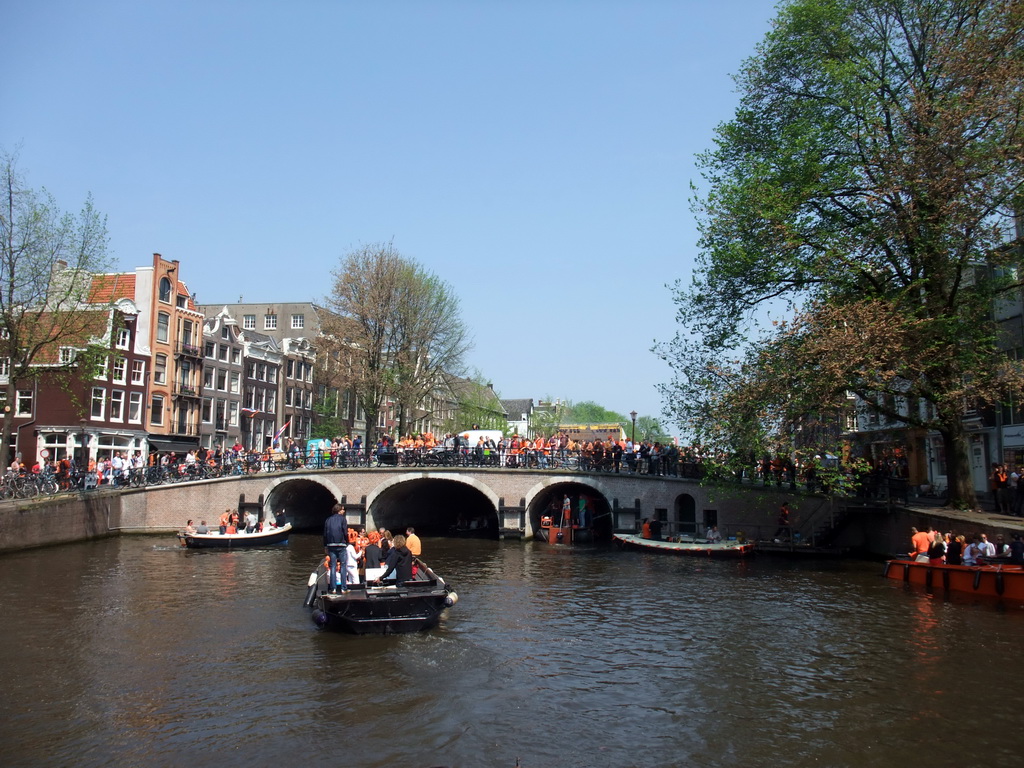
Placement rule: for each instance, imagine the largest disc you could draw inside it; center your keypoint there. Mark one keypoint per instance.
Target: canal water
(131, 651)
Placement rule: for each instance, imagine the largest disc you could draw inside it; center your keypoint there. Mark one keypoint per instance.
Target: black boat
(366, 609)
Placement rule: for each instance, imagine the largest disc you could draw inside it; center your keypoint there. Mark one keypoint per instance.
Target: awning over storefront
(172, 445)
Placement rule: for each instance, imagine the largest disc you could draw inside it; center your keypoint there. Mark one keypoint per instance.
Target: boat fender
(945, 580)
(451, 599)
(977, 578)
(319, 618)
(888, 565)
(999, 582)
(311, 590)
(906, 572)
(928, 578)
(558, 535)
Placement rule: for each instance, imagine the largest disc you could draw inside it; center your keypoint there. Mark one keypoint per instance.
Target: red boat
(1000, 580)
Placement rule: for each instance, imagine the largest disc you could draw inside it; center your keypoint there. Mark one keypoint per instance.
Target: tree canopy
(864, 189)
(47, 258)
(397, 326)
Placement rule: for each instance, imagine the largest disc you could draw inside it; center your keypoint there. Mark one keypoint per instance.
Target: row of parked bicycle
(48, 481)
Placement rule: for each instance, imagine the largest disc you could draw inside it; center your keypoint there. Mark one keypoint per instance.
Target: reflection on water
(131, 651)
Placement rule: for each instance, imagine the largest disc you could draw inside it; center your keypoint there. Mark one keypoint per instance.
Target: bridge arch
(547, 497)
(435, 505)
(686, 514)
(305, 499)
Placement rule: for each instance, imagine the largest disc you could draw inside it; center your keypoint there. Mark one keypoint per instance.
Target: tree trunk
(958, 465)
(371, 431)
(8, 423)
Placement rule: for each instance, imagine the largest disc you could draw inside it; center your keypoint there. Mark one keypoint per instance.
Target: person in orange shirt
(540, 450)
(919, 542)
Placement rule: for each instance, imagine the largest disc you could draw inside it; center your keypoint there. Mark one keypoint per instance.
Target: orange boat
(1000, 580)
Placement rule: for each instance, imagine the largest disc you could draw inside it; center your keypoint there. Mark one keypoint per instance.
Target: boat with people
(369, 608)
(214, 539)
(993, 579)
(686, 546)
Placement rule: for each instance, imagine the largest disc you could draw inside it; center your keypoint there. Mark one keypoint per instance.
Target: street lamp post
(632, 415)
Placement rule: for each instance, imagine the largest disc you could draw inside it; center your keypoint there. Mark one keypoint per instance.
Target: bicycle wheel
(26, 487)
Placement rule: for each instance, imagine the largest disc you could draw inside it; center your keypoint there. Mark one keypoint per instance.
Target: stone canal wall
(58, 520)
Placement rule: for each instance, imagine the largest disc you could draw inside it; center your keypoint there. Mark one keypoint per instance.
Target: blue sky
(535, 155)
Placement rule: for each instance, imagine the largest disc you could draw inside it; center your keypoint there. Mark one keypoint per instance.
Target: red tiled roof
(106, 289)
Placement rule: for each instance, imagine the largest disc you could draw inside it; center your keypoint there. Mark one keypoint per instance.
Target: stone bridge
(490, 502)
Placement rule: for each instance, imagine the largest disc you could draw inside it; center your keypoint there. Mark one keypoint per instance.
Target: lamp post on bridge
(632, 415)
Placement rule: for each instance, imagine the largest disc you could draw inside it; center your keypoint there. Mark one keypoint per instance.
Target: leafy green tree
(328, 423)
(864, 189)
(589, 412)
(47, 259)
(477, 406)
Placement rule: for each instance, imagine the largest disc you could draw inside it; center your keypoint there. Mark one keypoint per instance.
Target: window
(182, 302)
(160, 369)
(67, 355)
(290, 370)
(156, 410)
(250, 370)
(208, 377)
(211, 350)
(233, 414)
(135, 407)
(138, 371)
(236, 356)
(207, 414)
(225, 333)
(270, 322)
(261, 371)
(271, 401)
(272, 374)
(288, 396)
(57, 444)
(222, 353)
(99, 399)
(101, 368)
(249, 322)
(124, 336)
(236, 383)
(120, 368)
(24, 406)
(165, 290)
(5, 366)
(309, 372)
(298, 321)
(117, 405)
(163, 325)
